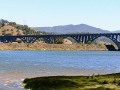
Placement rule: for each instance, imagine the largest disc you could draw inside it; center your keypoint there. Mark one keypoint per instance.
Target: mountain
(11, 28)
(64, 29)
(117, 31)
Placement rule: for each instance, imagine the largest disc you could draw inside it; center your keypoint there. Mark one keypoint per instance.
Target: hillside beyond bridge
(79, 38)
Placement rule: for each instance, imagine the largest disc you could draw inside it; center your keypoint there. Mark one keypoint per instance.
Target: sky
(104, 14)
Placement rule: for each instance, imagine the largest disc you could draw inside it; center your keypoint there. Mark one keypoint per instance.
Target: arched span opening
(28, 40)
(38, 40)
(69, 40)
(109, 42)
(18, 40)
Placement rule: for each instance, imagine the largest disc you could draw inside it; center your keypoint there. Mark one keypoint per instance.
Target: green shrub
(93, 76)
(119, 82)
(81, 42)
(101, 88)
(105, 82)
(48, 83)
(114, 81)
(89, 42)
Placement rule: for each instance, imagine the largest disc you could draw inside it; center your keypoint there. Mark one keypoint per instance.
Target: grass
(95, 82)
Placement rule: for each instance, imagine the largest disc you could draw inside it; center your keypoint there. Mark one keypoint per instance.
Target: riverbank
(42, 46)
(13, 80)
(94, 82)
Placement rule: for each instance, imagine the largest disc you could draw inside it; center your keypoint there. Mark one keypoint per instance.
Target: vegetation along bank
(94, 82)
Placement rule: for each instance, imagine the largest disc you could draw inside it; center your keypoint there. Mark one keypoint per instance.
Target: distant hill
(81, 28)
(11, 28)
(117, 31)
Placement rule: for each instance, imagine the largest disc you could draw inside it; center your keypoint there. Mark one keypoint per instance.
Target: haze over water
(17, 65)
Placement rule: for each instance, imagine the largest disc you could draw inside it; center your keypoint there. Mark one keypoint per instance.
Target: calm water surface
(17, 65)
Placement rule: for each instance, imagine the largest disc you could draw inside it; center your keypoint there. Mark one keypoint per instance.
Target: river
(18, 65)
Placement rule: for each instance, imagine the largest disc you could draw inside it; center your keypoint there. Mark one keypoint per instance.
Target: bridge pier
(47, 40)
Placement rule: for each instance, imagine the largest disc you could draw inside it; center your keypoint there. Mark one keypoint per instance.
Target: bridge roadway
(84, 38)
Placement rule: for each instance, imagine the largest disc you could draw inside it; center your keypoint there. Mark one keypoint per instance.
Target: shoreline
(12, 83)
(59, 47)
(55, 72)
(8, 80)
(14, 79)
(94, 82)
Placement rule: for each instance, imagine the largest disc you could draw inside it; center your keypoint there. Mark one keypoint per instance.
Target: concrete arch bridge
(84, 38)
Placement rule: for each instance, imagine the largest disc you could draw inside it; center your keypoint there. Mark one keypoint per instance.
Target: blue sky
(103, 14)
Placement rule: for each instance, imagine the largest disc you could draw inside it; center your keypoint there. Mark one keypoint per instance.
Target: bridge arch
(71, 39)
(114, 40)
(84, 38)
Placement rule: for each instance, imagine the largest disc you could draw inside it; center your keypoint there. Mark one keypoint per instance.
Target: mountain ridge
(116, 31)
(79, 28)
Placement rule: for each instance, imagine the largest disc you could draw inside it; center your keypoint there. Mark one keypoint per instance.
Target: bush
(81, 42)
(93, 76)
(59, 41)
(114, 81)
(101, 88)
(89, 42)
(105, 82)
(48, 83)
(119, 82)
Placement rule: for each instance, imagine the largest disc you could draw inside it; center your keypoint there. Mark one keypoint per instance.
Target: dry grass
(7, 29)
(43, 46)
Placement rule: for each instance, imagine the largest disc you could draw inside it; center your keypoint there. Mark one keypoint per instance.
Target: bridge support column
(47, 40)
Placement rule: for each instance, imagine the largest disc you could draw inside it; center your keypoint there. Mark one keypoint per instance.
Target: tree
(89, 42)
(59, 40)
(81, 42)
(3, 21)
(3, 32)
(12, 23)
